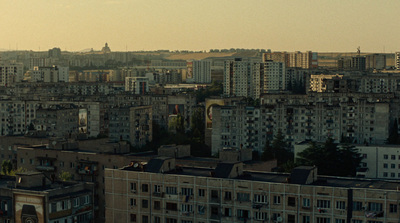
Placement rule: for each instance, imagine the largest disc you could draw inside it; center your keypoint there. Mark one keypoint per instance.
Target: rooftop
(270, 177)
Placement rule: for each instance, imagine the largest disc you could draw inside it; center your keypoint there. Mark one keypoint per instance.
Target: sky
(279, 25)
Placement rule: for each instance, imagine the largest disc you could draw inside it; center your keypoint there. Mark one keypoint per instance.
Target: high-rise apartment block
(251, 79)
(137, 85)
(10, 72)
(199, 71)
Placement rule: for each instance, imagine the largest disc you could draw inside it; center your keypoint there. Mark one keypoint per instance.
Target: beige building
(317, 82)
(162, 193)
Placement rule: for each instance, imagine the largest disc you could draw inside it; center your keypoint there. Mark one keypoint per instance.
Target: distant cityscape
(224, 135)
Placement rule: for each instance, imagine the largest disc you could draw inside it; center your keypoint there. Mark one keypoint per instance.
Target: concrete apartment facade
(161, 193)
(251, 79)
(358, 117)
(10, 72)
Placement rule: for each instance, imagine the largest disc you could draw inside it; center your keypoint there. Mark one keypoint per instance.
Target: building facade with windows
(166, 194)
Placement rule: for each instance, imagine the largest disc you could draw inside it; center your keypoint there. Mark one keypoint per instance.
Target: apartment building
(357, 117)
(58, 120)
(10, 72)
(251, 79)
(318, 82)
(162, 192)
(83, 165)
(306, 60)
(379, 161)
(137, 85)
(199, 71)
(133, 124)
(50, 74)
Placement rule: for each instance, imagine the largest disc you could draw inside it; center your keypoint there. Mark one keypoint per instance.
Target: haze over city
(335, 26)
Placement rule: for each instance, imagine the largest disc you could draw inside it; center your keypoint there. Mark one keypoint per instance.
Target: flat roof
(271, 177)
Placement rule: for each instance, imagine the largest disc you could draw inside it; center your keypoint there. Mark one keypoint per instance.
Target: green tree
(65, 176)
(6, 167)
(197, 123)
(331, 159)
(278, 150)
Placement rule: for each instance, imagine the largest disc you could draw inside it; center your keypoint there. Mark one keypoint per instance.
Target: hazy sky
(317, 25)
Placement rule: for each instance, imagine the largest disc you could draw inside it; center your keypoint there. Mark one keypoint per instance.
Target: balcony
(46, 168)
(86, 167)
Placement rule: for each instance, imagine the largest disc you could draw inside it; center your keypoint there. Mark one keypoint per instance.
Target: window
(357, 206)
(171, 206)
(393, 157)
(341, 205)
(385, 165)
(392, 165)
(228, 212)
(258, 198)
(157, 205)
(133, 187)
(243, 196)
(340, 220)
(22, 160)
(215, 210)
(186, 208)
(31, 161)
(157, 220)
(76, 202)
(357, 221)
(275, 216)
(145, 203)
(133, 202)
(291, 201)
(133, 217)
(200, 209)
(306, 219)
(145, 219)
(258, 215)
(277, 199)
(186, 221)
(385, 174)
(228, 195)
(201, 192)
(291, 218)
(187, 191)
(214, 194)
(86, 199)
(145, 188)
(392, 175)
(323, 220)
(372, 206)
(243, 213)
(385, 156)
(157, 189)
(323, 204)
(171, 220)
(306, 202)
(170, 190)
(393, 208)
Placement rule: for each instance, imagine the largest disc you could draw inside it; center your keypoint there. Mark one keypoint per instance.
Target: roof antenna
(358, 51)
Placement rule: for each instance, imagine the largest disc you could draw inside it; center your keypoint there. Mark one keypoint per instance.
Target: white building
(138, 85)
(380, 161)
(11, 72)
(50, 74)
(201, 72)
(251, 79)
